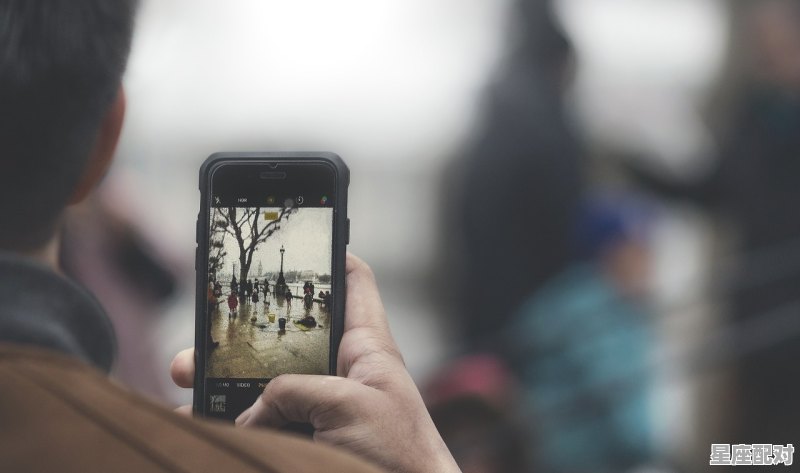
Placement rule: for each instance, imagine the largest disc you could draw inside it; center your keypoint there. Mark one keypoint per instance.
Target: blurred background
(581, 213)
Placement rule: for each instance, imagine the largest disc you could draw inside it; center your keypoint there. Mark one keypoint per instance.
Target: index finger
(363, 306)
(366, 328)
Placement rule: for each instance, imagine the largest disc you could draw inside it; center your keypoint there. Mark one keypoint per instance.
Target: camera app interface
(269, 295)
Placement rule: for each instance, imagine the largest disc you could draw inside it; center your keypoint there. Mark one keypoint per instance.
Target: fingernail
(243, 417)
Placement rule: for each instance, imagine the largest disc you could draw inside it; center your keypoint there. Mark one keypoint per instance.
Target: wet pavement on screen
(257, 349)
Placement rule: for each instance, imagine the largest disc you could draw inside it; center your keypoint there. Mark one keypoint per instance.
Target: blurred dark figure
(755, 184)
(518, 186)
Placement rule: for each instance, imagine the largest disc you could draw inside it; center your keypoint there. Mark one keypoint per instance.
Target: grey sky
(306, 236)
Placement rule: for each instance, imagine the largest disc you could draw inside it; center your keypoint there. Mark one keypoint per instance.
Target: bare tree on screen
(250, 227)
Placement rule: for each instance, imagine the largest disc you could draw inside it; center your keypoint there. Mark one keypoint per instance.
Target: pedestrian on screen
(233, 303)
(234, 284)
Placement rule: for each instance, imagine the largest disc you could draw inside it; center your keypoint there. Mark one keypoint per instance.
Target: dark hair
(61, 62)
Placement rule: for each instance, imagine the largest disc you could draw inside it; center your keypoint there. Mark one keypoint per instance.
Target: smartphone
(272, 234)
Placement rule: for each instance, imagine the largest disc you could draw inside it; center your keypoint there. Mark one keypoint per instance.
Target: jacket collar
(39, 307)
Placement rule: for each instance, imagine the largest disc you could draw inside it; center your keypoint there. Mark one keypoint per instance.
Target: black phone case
(341, 236)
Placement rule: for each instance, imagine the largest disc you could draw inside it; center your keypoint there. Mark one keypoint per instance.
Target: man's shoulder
(60, 414)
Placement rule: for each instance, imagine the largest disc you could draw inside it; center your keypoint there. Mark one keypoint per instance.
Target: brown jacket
(59, 414)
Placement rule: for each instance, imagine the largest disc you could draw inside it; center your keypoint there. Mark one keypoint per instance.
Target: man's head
(61, 107)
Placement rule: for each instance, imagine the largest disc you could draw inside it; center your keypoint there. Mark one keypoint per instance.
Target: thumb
(182, 368)
(326, 402)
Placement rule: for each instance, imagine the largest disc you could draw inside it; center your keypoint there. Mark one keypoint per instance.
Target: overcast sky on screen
(306, 236)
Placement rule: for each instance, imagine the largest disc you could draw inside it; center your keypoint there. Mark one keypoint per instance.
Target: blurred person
(62, 110)
(754, 184)
(512, 208)
(474, 403)
(581, 349)
(105, 250)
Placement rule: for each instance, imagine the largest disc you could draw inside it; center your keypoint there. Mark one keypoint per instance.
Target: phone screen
(269, 294)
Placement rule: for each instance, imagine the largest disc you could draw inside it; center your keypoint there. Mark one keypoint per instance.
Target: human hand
(373, 408)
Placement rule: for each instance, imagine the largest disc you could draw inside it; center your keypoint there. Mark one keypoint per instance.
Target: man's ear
(104, 147)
